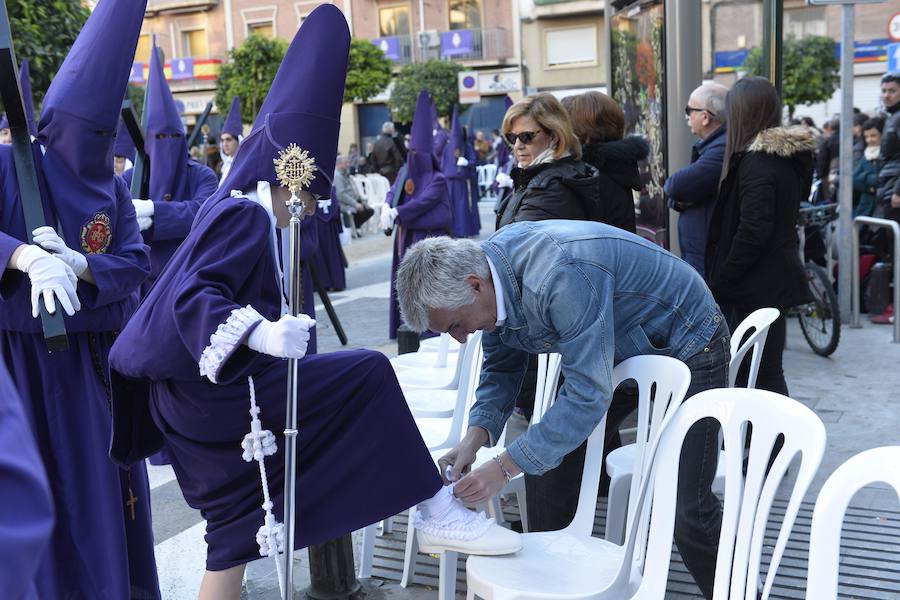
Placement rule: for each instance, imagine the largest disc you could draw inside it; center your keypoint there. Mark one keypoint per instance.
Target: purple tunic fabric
(459, 185)
(26, 520)
(172, 218)
(474, 224)
(228, 263)
(329, 256)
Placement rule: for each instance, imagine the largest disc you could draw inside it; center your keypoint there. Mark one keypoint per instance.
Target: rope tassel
(258, 444)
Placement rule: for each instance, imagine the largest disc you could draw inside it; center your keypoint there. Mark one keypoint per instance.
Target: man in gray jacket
(352, 204)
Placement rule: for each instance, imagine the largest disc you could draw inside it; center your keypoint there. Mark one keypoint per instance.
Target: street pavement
(854, 392)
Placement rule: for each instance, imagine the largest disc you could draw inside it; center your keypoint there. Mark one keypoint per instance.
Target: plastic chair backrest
(748, 500)
(469, 374)
(760, 321)
(647, 371)
(878, 465)
(545, 385)
(359, 182)
(443, 351)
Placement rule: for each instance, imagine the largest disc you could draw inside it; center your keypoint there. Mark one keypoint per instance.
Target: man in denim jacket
(597, 295)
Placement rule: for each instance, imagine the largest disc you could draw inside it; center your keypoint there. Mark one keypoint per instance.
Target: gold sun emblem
(295, 168)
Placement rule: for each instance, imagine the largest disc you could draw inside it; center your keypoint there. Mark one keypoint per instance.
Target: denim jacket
(597, 295)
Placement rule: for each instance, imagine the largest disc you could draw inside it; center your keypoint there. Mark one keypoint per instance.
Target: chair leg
(367, 552)
(387, 526)
(523, 509)
(495, 510)
(447, 575)
(410, 555)
(617, 508)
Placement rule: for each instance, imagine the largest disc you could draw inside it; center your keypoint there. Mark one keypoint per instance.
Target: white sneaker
(463, 530)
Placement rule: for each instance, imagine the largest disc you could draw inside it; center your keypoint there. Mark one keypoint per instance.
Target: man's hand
(462, 455)
(480, 485)
(895, 201)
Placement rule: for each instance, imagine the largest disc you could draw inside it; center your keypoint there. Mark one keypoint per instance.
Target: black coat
(563, 189)
(752, 254)
(617, 163)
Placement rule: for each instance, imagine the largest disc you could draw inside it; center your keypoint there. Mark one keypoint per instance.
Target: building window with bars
(465, 14)
(393, 20)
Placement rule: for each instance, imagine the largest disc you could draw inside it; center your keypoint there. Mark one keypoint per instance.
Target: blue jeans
(553, 496)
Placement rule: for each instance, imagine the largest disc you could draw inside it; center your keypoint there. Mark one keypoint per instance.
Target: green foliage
(368, 73)
(810, 66)
(249, 73)
(136, 95)
(439, 77)
(43, 31)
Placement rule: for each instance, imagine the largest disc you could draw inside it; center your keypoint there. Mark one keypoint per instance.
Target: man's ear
(475, 283)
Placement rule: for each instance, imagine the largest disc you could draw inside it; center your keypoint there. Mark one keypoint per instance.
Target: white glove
(46, 237)
(504, 180)
(145, 223)
(143, 208)
(287, 337)
(49, 276)
(462, 162)
(388, 216)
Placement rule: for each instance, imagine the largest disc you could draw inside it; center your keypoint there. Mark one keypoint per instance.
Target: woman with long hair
(752, 255)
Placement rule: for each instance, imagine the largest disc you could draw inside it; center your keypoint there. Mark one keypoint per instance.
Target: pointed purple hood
(233, 124)
(440, 134)
(4, 122)
(456, 143)
(124, 145)
(165, 143)
(421, 162)
(80, 113)
(303, 107)
(27, 98)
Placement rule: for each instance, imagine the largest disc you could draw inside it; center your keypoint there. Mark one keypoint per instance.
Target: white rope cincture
(257, 445)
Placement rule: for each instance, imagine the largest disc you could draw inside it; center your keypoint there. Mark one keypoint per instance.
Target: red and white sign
(894, 27)
(468, 87)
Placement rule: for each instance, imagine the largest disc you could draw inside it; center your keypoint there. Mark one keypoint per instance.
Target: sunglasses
(526, 137)
(689, 109)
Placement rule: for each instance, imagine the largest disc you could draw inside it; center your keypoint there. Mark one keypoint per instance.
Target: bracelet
(506, 473)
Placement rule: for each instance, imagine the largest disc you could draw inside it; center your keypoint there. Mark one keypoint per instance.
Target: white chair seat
(434, 432)
(620, 460)
(428, 360)
(431, 403)
(434, 344)
(549, 565)
(425, 378)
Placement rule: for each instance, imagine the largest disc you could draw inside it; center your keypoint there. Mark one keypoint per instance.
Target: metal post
(772, 42)
(845, 182)
(895, 231)
(290, 431)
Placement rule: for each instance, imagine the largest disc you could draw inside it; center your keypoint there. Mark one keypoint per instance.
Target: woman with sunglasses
(550, 181)
(599, 124)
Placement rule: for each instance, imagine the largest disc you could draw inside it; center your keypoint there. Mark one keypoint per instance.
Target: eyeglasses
(526, 137)
(689, 109)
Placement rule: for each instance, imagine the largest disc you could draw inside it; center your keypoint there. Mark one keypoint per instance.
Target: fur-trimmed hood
(785, 141)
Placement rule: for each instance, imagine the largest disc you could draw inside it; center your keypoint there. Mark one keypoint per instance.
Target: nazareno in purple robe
(26, 520)
(182, 371)
(421, 199)
(459, 186)
(97, 550)
(329, 256)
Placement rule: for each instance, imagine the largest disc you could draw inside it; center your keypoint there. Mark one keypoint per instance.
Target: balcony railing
(180, 69)
(459, 44)
(156, 6)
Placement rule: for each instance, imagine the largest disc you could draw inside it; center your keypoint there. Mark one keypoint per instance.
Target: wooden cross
(132, 500)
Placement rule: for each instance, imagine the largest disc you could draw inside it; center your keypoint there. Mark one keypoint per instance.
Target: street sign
(894, 27)
(893, 58)
(468, 87)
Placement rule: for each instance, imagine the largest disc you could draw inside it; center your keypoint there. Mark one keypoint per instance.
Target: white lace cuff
(225, 339)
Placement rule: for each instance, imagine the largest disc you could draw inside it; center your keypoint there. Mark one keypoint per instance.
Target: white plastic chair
(486, 175)
(545, 393)
(878, 465)
(428, 358)
(432, 378)
(439, 435)
(427, 404)
(620, 462)
(434, 344)
(571, 564)
(748, 500)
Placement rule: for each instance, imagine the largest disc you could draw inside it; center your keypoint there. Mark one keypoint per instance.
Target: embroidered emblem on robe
(96, 234)
(409, 187)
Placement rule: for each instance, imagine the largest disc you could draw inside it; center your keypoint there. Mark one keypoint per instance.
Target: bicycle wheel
(820, 320)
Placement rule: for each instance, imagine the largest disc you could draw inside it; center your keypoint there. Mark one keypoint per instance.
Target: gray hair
(387, 127)
(712, 97)
(433, 276)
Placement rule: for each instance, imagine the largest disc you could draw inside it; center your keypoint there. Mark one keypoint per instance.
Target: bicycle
(820, 320)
